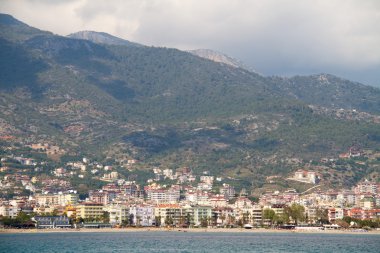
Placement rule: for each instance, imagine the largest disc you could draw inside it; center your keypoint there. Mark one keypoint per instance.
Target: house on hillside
(305, 176)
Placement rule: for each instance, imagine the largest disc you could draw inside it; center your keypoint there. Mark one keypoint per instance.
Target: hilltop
(102, 38)
(220, 57)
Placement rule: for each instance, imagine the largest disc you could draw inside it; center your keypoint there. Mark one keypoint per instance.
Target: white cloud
(275, 36)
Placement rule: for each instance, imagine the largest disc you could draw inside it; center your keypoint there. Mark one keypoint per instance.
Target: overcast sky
(275, 37)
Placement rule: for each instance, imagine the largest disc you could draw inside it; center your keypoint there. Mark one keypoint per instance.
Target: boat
(248, 226)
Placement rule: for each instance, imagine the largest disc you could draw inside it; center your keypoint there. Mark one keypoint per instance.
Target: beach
(184, 230)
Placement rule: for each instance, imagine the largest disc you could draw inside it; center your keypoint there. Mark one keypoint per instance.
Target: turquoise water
(188, 242)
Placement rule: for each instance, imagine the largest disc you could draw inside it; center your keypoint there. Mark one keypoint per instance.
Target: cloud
(274, 36)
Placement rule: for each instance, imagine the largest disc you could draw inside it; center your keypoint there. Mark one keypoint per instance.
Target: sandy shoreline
(191, 230)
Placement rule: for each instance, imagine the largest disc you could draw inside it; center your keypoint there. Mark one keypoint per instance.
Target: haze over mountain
(93, 95)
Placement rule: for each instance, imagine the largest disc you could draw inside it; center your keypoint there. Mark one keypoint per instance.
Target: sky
(274, 37)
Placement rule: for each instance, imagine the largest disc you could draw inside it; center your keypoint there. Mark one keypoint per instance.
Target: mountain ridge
(102, 38)
(166, 107)
(221, 58)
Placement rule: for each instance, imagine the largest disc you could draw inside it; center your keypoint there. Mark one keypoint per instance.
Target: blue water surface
(188, 242)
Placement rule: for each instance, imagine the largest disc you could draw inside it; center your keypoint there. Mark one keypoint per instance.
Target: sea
(187, 242)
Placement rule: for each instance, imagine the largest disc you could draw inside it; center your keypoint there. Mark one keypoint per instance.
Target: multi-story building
(257, 215)
(243, 202)
(198, 214)
(336, 214)
(173, 214)
(170, 195)
(366, 187)
(89, 210)
(368, 202)
(346, 198)
(142, 215)
(218, 201)
(228, 191)
(118, 213)
(103, 196)
(223, 215)
(8, 211)
(57, 199)
(169, 214)
(364, 214)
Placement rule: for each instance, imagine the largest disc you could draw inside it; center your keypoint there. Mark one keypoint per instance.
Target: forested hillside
(165, 107)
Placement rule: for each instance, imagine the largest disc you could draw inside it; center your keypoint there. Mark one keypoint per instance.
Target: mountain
(15, 30)
(102, 38)
(330, 91)
(220, 57)
(169, 108)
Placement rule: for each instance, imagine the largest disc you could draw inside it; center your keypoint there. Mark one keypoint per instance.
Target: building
(8, 211)
(243, 202)
(223, 215)
(336, 214)
(52, 222)
(118, 214)
(218, 201)
(257, 215)
(366, 187)
(228, 191)
(57, 199)
(169, 214)
(88, 210)
(197, 214)
(305, 176)
(142, 215)
(364, 214)
(367, 202)
(170, 195)
(346, 198)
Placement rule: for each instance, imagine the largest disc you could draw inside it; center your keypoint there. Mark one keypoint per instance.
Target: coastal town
(175, 198)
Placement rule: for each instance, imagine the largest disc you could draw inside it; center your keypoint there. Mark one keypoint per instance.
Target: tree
(322, 216)
(342, 223)
(169, 221)
(55, 212)
(124, 223)
(158, 221)
(281, 219)
(149, 218)
(188, 219)
(79, 220)
(131, 217)
(223, 218)
(245, 218)
(204, 222)
(269, 214)
(239, 223)
(296, 212)
(138, 221)
(231, 219)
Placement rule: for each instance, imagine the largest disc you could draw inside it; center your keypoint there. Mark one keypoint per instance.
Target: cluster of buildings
(127, 203)
(190, 200)
(361, 202)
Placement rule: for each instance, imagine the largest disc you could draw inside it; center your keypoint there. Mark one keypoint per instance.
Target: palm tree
(223, 218)
(148, 218)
